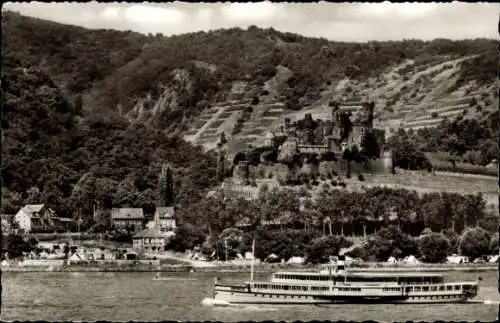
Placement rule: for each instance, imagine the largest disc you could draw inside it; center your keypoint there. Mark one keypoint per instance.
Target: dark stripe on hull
(273, 298)
(363, 299)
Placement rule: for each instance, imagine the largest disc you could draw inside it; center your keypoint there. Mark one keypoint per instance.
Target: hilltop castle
(349, 123)
(347, 126)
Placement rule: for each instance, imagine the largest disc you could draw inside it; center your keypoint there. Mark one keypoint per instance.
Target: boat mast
(253, 257)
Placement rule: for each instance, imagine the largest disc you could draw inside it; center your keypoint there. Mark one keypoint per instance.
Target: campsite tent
(296, 260)
(392, 260)
(272, 258)
(411, 259)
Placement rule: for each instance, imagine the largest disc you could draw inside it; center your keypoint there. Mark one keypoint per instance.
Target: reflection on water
(137, 296)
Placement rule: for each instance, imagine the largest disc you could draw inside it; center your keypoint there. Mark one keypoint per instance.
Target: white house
(164, 219)
(151, 239)
(34, 216)
(128, 218)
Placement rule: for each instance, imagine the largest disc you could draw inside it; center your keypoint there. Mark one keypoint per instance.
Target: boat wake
(214, 302)
(489, 302)
(173, 278)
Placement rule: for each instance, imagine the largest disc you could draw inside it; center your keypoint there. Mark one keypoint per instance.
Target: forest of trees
(117, 68)
(463, 140)
(53, 154)
(65, 144)
(320, 227)
(399, 222)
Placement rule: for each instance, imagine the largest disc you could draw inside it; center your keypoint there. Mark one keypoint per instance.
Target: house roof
(63, 219)
(7, 217)
(151, 233)
(165, 212)
(34, 208)
(280, 138)
(127, 214)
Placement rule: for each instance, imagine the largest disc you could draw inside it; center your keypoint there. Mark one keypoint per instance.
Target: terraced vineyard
(409, 95)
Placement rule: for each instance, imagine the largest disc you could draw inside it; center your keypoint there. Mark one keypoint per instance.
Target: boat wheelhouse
(333, 284)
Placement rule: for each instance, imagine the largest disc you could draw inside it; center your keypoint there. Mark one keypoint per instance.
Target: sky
(335, 21)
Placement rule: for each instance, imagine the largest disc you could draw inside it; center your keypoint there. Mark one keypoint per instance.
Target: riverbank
(371, 267)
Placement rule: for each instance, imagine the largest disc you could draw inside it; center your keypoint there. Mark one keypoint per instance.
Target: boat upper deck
(359, 277)
(359, 273)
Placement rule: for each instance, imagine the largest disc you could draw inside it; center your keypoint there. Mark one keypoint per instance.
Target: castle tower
(287, 125)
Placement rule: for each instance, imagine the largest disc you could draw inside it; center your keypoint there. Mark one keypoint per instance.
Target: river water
(136, 296)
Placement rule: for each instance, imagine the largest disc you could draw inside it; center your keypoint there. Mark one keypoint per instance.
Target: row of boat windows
(402, 280)
(353, 289)
(334, 278)
(391, 289)
(349, 289)
(281, 287)
(434, 288)
(305, 288)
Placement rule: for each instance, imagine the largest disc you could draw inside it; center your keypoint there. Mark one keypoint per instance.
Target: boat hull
(245, 297)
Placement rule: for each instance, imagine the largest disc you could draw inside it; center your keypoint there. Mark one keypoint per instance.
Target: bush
(474, 243)
(388, 240)
(322, 248)
(464, 168)
(489, 222)
(494, 244)
(453, 240)
(186, 237)
(433, 247)
(328, 156)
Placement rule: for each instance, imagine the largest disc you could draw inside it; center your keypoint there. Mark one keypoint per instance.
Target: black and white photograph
(251, 161)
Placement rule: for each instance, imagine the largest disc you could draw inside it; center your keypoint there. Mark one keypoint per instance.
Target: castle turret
(287, 125)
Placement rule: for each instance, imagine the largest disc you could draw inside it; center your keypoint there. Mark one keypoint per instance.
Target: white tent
(392, 260)
(76, 257)
(454, 259)
(349, 260)
(271, 257)
(494, 259)
(296, 260)
(411, 259)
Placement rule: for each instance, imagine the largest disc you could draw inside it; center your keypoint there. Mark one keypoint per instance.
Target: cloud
(144, 14)
(204, 14)
(111, 13)
(395, 10)
(334, 21)
(251, 11)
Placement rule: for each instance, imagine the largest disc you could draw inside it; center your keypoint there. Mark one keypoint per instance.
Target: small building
(77, 258)
(6, 222)
(124, 218)
(33, 217)
(63, 223)
(151, 240)
(164, 218)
